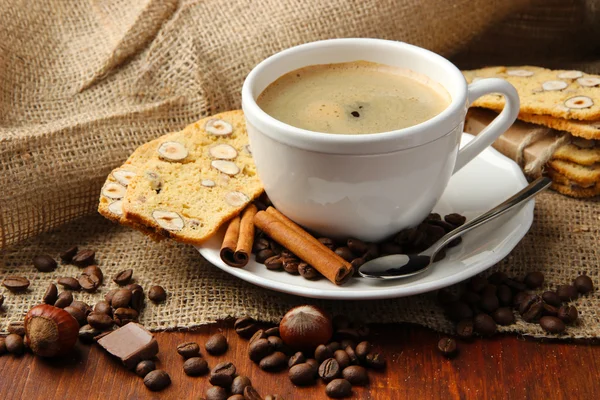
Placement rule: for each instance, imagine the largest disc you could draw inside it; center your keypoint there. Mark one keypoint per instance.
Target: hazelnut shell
(50, 331)
(305, 327)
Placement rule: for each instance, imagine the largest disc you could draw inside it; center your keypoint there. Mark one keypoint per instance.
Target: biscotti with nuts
(195, 180)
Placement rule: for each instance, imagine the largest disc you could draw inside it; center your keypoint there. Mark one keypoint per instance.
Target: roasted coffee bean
(505, 296)
(69, 283)
(302, 374)
(464, 329)
(137, 300)
(489, 303)
(84, 307)
(504, 316)
(567, 292)
(329, 370)
(134, 286)
(51, 294)
(123, 277)
(458, 310)
(285, 253)
(260, 334)
(307, 271)
(313, 363)
(99, 320)
(16, 283)
(274, 331)
(76, 313)
(552, 324)
(489, 290)
(89, 283)
(108, 296)
(274, 263)
(273, 362)
(195, 366)
(290, 265)
(441, 224)
(333, 346)
(519, 298)
(264, 255)
(352, 355)
(239, 384)
(260, 244)
(534, 279)
(551, 298)
(44, 263)
(236, 397)
(375, 360)
(297, 358)
(477, 283)
(251, 394)
(345, 253)
(121, 298)
(455, 219)
(188, 350)
(584, 284)
(484, 325)
(277, 344)
(157, 294)
(338, 388)
(362, 349)
(568, 314)
(222, 374)
(372, 251)
(357, 246)
(390, 248)
(447, 346)
(18, 328)
(356, 375)
(445, 297)
(144, 368)
(327, 242)
(14, 344)
(340, 322)
(516, 286)
(84, 258)
(549, 310)
(470, 297)
(497, 278)
(322, 352)
(527, 302)
(531, 308)
(64, 299)
(87, 333)
(94, 270)
(216, 344)
(216, 393)
(342, 358)
(347, 342)
(259, 349)
(125, 315)
(67, 255)
(157, 380)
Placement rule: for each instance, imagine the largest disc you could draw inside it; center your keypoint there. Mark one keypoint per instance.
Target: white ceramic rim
(375, 143)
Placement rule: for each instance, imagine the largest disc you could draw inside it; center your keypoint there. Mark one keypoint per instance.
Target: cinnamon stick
(295, 239)
(230, 242)
(246, 237)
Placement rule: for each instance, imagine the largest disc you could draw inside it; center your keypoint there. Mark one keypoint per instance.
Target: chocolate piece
(131, 343)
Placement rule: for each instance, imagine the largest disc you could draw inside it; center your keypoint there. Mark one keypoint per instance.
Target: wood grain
(502, 367)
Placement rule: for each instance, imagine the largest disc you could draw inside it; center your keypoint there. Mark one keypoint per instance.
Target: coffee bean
(568, 314)
(69, 283)
(489, 290)
(16, 283)
(352, 355)
(239, 384)
(273, 362)
(458, 310)
(505, 296)
(549, 310)
(329, 370)
(464, 329)
(108, 296)
(236, 397)
(259, 349)
(551, 298)
(497, 278)
(251, 394)
(84, 307)
(470, 297)
(64, 299)
(356, 375)
(245, 327)
(144, 368)
(390, 248)
(322, 352)
(357, 246)
(157, 294)
(516, 286)
(51, 294)
(531, 310)
(519, 298)
(342, 358)
(297, 358)
(103, 307)
(290, 265)
(338, 388)
(375, 361)
(99, 320)
(18, 328)
(362, 349)
(489, 303)
(307, 271)
(327, 242)
(552, 324)
(123, 277)
(89, 283)
(313, 363)
(157, 380)
(277, 344)
(222, 374)
(260, 334)
(504, 316)
(216, 393)
(84, 258)
(134, 286)
(534, 280)
(333, 346)
(584, 284)
(345, 253)
(302, 374)
(477, 283)
(445, 297)
(121, 298)
(67, 255)
(484, 325)
(347, 343)
(447, 346)
(195, 366)
(14, 344)
(567, 292)
(260, 244)
(188, 350)
(137, 300)
(87, 333)
(455, 219)
(274, 263)
(76, 313)
(216, 344)
(44, 263)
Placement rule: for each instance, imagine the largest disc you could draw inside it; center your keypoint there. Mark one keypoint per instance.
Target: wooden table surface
(504, 367)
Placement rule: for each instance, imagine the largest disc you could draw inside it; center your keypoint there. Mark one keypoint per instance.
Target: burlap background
(82, 83)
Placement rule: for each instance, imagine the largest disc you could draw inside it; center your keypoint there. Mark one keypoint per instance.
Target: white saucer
(485, 182)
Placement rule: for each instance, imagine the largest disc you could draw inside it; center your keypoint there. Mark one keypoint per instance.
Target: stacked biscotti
(564, 100)
(185, 185)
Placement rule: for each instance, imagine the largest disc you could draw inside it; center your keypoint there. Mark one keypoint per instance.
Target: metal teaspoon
(399, 266)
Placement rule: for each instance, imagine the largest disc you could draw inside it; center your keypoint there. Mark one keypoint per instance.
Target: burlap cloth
(82, 83)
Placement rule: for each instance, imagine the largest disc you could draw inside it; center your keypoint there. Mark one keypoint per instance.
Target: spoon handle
(527, 193)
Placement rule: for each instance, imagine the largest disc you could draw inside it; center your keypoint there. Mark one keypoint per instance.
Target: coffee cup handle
(498, 126)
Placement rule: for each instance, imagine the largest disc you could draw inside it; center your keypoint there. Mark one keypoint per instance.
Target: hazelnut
(50, 331)
(305, 327)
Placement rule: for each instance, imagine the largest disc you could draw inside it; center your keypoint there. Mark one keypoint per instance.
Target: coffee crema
(358, 97)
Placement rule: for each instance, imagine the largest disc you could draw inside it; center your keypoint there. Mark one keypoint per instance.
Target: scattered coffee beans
(584, 284)
(44, 263)
(222, 374)
(51, 294)
(338, 388)
(551, 298)
(188, 350)
(123, 277)
(552, 324)
(504, 316)
(64, 299)
(375, 360)
(534, 280)
(216, 393)
(531, 308)
(67, 255)
(259, 349)
(14, 344)
(18, 328)
(274, 331)
(329, 370)
(239, 384)
(144, 368)
(567, 292)
(273, 362)
(465, 329)
(297, 358)
(69, 283)
(157, 294)
(84, 258)
(87, 333)
(568, 314)
(100, 320)
(76, 313)
(484, 325)
(16, 283)
(356, 375)
(89, 283)
(342, 358)
(277, 344)
(362, 349)
(322, 352)
(195, 366)
(157, 380)
(121, 298)
(251, 394)
(497, 278)
(103, 307)
(302, 374)
(216, 344)
(447, 346)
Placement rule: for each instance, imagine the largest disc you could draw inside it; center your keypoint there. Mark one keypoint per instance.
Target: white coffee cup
(366, 186)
